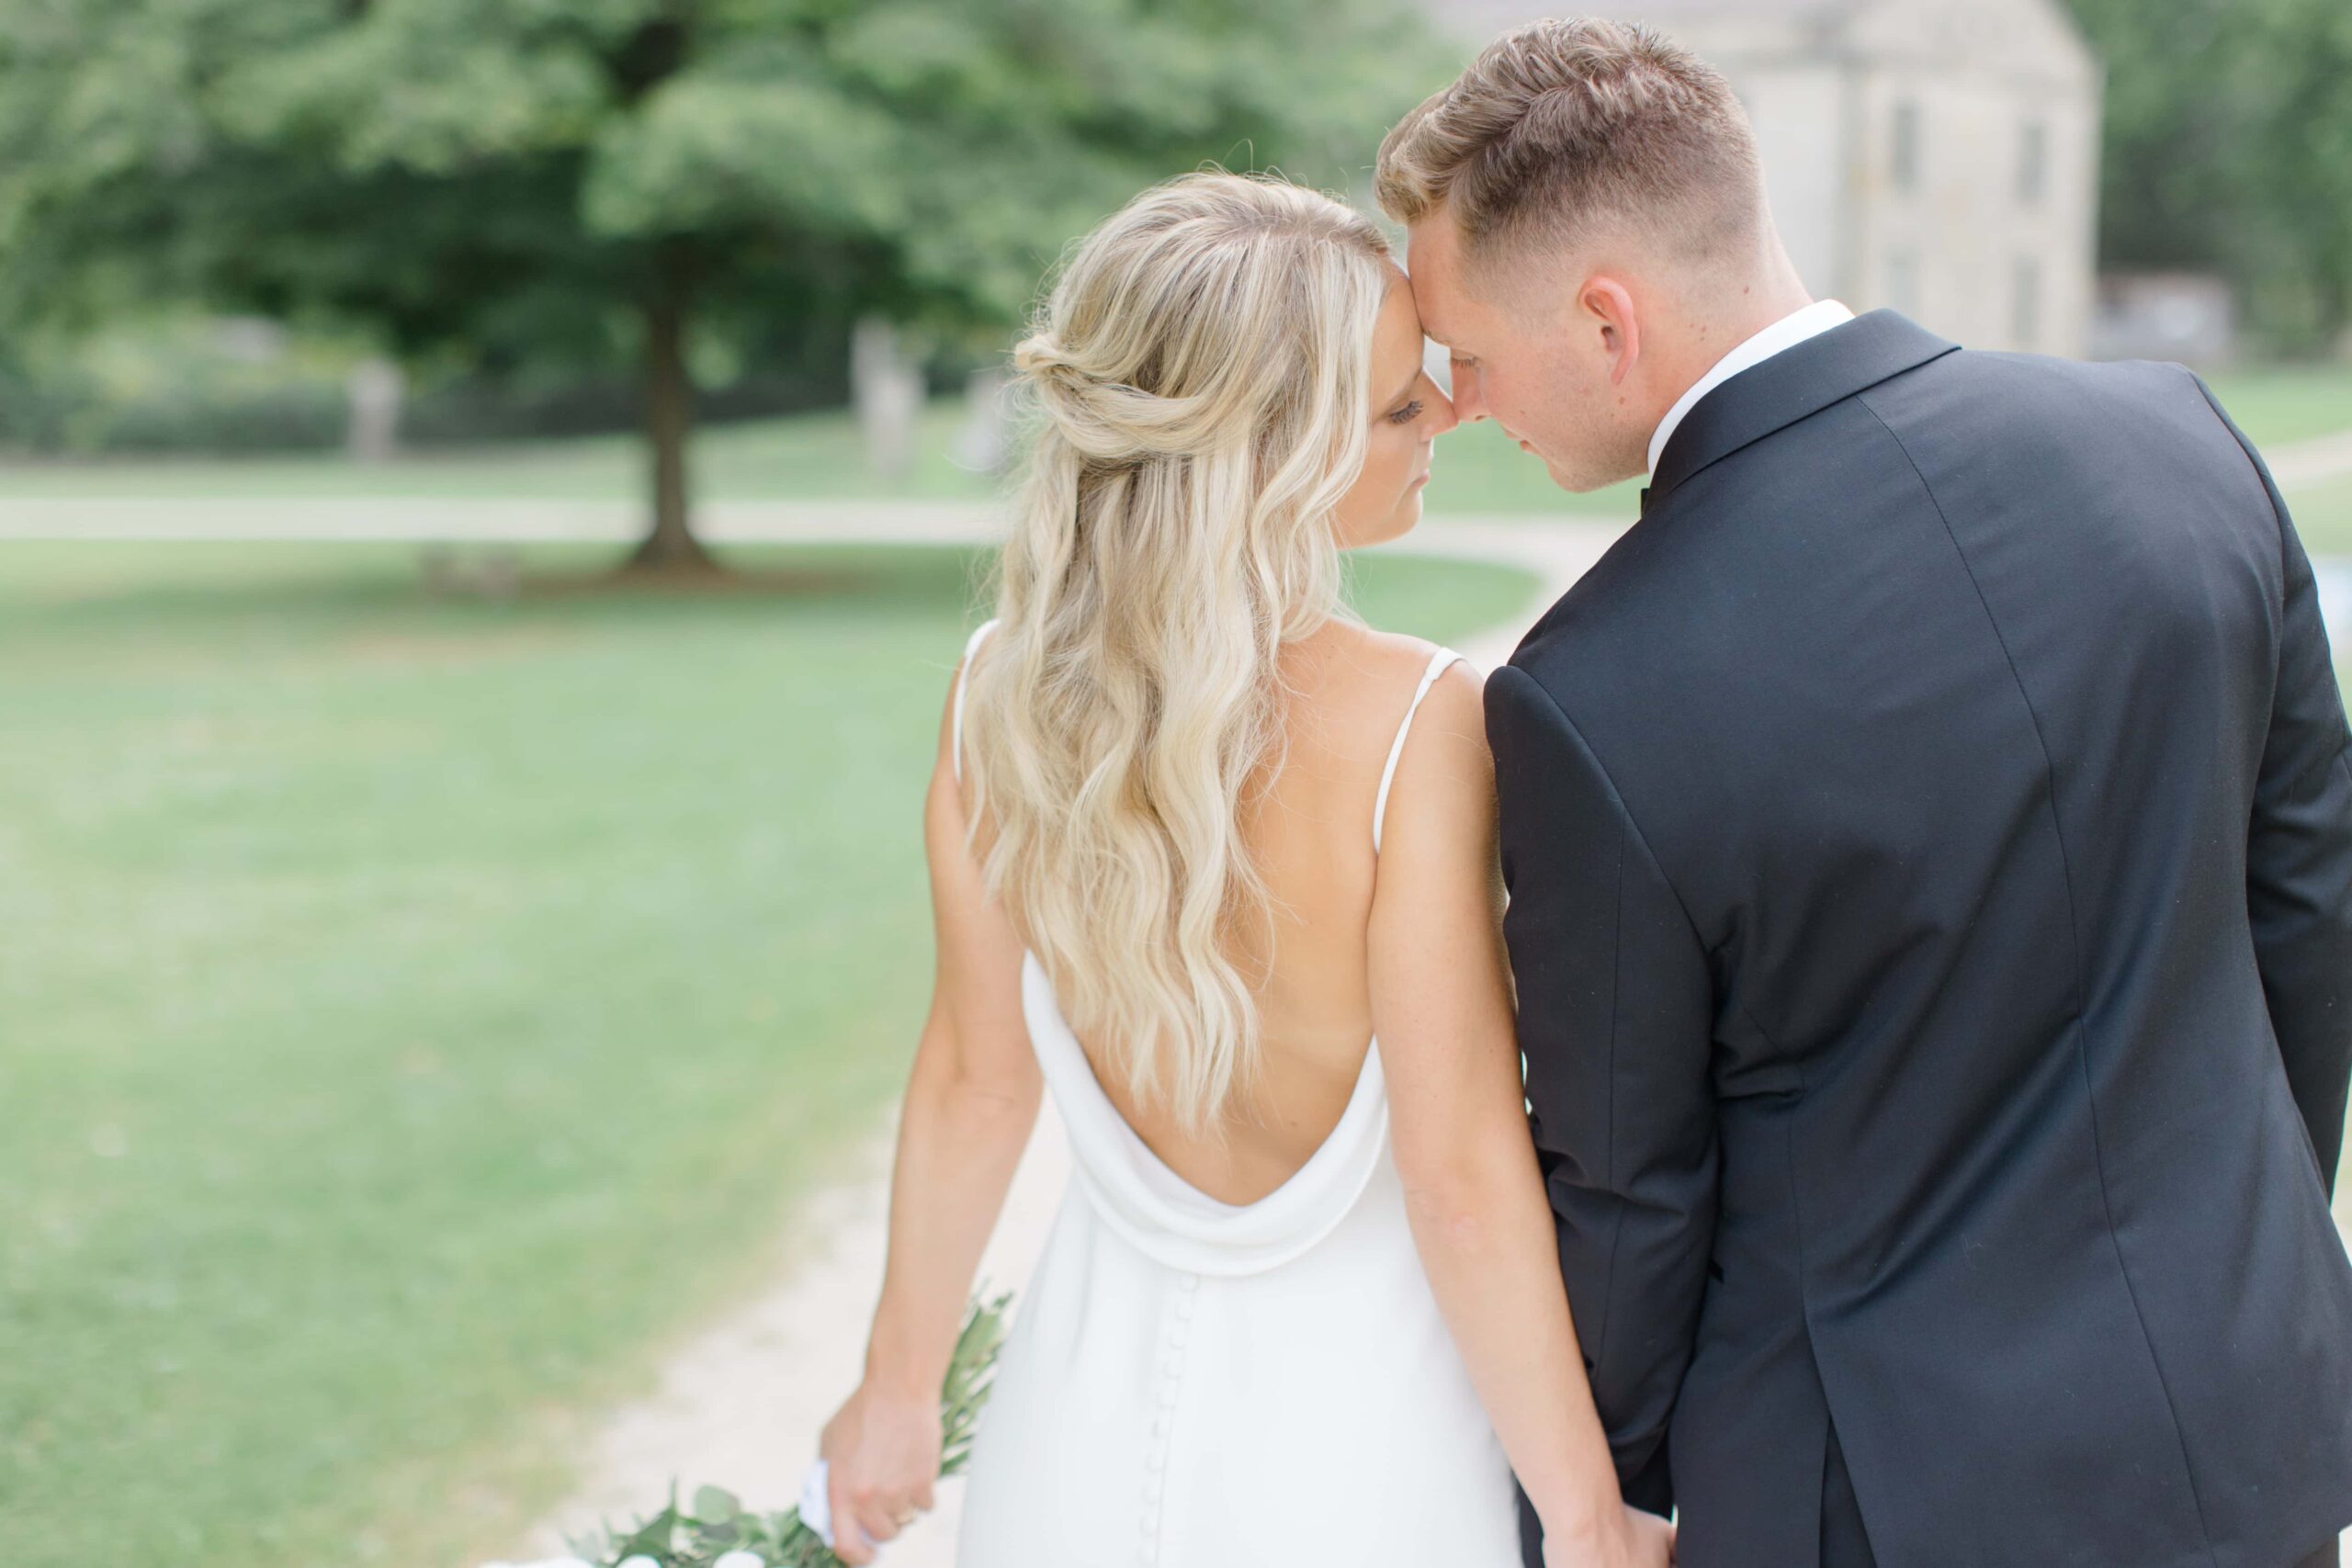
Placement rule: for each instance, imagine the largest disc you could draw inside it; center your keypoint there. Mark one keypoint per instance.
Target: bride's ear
(1608, 309)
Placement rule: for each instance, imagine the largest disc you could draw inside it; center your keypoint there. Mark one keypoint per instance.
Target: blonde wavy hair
(1201, 377)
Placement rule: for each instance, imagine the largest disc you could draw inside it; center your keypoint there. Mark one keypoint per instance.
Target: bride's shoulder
(1427, 745)
(1348, 656)
(1363, 679)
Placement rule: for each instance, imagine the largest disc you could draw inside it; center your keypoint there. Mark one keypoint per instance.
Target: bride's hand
(1633, 1539)
(881, 1451)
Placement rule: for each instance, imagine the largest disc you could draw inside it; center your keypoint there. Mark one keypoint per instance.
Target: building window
(2033, 164)
(1903, 281)
(1906, 166)
(2025, 303)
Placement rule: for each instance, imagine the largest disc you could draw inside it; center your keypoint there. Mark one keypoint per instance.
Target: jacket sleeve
(1615, 1026)
(2299, 850)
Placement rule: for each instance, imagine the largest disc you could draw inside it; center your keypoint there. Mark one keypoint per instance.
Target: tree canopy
(2229, 148)
(587, 182)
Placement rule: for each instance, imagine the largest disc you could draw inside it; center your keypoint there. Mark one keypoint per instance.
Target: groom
(1929, 839)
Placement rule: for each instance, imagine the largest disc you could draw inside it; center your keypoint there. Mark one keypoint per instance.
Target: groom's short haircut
(1562, 127)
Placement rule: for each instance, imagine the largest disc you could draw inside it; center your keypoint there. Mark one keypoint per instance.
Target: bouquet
(718, 1531)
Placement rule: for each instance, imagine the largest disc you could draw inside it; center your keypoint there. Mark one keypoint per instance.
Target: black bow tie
(1645, 503)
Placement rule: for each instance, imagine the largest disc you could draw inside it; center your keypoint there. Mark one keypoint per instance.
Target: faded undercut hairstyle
(1201, 376)
(1562, 127)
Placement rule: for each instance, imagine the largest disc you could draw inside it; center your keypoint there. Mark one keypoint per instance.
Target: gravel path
(2306, 463)
(480, 519)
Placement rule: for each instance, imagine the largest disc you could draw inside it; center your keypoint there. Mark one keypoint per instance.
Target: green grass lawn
(418, 1012)
(818, 457)
(806, 457)
(2322, 514)
(2281, 404)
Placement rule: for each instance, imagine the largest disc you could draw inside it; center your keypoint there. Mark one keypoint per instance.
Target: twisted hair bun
(1112, 420)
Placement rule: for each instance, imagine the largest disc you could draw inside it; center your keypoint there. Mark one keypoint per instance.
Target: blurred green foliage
(186, 382)
(579, 182)
(2229, 148)
(177, 383)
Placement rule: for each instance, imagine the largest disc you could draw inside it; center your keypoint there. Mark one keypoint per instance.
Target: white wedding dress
(1190, 1383)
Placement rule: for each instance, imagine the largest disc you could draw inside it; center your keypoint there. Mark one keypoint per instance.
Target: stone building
(1939, 156)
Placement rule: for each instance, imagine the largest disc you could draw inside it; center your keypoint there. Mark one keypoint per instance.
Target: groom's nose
(1468, 403)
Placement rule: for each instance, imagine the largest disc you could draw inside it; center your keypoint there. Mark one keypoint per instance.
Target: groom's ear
(1608, 309)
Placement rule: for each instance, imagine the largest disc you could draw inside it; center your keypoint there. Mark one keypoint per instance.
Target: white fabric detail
(1438, 662)
(956, 730)
(1786, 333)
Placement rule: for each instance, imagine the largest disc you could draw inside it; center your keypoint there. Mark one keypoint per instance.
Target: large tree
(2229, 147)
(576, 181)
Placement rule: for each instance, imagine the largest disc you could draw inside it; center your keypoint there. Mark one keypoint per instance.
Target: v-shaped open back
(1191, 1384)
(1136, 1193)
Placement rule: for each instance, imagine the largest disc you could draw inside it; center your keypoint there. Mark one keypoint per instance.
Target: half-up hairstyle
(1201, 376)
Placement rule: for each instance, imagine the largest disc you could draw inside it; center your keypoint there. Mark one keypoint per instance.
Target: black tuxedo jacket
(1928, 835)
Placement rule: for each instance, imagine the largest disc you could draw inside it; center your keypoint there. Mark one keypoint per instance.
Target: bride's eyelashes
(1407, 414)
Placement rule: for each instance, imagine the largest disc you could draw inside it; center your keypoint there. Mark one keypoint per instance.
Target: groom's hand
(1633, 1539)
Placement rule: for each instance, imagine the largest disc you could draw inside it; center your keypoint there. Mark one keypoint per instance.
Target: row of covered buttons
(1172, 1368)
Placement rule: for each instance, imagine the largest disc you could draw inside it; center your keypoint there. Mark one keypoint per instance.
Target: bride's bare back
(1311, 833)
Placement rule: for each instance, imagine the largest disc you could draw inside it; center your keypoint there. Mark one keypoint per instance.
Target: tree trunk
(669, 420)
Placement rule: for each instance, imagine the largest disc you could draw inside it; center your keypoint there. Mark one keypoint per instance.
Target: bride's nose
(1442, 415)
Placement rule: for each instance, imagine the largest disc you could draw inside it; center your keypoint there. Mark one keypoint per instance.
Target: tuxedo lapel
(1792, 384)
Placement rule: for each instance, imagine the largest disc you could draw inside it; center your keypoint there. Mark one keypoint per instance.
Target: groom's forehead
(1434, 322)
(1432, 260)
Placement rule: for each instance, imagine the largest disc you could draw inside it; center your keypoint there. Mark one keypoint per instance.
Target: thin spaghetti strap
(955, 729)
(1438, 662)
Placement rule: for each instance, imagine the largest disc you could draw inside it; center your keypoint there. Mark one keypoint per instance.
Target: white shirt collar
(1786, 333)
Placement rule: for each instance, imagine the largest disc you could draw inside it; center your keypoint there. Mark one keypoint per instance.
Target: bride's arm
(1442, 1009)
(971, 1101)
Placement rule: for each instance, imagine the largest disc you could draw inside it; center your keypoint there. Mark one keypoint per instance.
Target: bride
(1198, 871)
